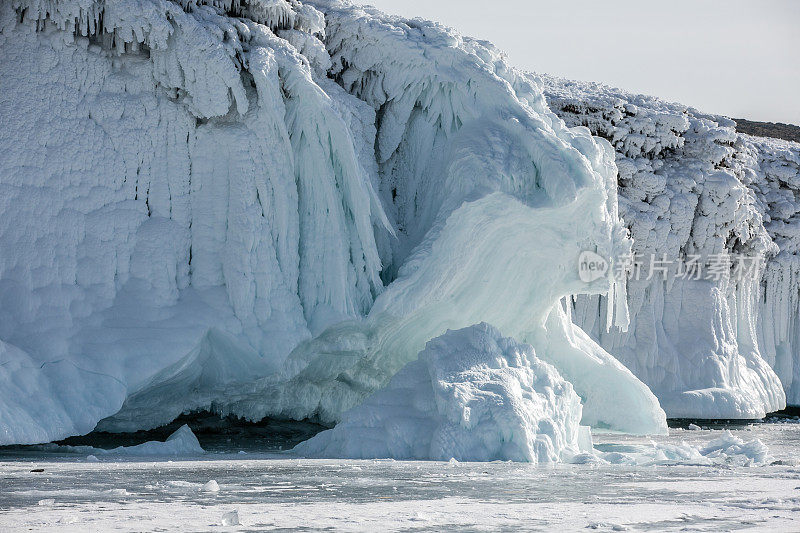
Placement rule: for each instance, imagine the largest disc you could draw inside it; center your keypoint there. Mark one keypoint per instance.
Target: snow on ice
(728, 491)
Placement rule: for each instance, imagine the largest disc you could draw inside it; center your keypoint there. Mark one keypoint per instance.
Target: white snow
(472, 395)
(250, 207)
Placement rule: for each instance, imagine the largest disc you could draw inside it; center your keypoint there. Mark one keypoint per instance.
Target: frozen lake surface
(57, 492)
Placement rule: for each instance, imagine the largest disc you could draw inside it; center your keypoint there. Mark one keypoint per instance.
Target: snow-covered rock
(689, 185)
(472, 395)
(268, 207)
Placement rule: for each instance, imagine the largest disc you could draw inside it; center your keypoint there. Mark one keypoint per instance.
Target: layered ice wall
(267, 207)
(691, 186)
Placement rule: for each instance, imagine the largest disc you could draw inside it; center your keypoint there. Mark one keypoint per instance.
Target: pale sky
(734, 57)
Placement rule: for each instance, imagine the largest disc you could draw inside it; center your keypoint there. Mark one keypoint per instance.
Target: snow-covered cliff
(268, 207)
(691, 187)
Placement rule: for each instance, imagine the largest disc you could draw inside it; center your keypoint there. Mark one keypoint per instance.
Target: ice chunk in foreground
(210, 486)
(473, 395)
(231, 518)
(730, 446)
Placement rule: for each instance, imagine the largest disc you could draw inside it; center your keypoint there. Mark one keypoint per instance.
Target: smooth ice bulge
(472, 395)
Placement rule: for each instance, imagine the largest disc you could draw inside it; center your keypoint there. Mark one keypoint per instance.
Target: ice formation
(690, 185)
(268, 207)
(181, 443)
(210, 486)
(472, 395)
(727, 449)
(775, 180)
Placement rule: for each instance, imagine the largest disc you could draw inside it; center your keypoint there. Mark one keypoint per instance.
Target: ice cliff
(691, 186)
(268, 208)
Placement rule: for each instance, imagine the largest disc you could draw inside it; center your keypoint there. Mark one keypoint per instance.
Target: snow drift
(472, 395)
(689, 185)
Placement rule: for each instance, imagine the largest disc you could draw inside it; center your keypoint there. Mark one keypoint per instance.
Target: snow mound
(472, 395)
